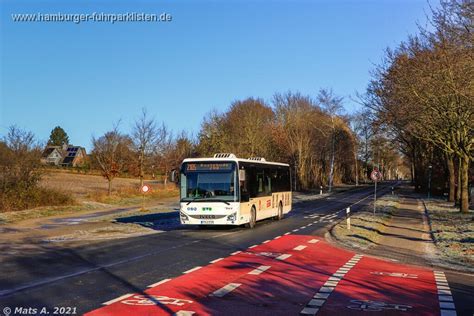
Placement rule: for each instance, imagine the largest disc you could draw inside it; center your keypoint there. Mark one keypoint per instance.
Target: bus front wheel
(253, 218)
(280, 212)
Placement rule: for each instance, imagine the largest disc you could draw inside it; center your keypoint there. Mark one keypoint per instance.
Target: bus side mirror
(174, 176)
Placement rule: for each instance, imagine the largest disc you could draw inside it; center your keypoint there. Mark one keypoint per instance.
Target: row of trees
(322, 144)
(422, 97)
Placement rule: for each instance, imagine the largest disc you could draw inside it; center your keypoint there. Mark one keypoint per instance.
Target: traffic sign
(376, 175)
(145, 188)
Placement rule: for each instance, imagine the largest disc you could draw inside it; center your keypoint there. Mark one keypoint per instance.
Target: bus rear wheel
(253, 218)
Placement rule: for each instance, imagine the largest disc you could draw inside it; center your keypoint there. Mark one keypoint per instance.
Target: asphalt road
(81, 279)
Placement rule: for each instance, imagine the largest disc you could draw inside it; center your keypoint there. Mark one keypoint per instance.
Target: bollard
(321, 190)
(348, 218)
(392, 190)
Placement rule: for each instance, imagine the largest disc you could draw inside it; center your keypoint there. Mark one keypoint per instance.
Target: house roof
(49, 150)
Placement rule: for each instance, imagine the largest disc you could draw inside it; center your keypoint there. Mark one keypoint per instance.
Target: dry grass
(452, 230)
(82, 186)
(365, 226)
(92, 187)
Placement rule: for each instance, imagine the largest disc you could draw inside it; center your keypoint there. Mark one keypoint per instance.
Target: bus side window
(260, 182)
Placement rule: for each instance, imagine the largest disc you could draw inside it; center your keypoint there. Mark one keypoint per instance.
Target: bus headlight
(232, 217)
(184, 217)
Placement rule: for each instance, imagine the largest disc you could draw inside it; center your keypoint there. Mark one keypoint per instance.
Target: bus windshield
(208, 181)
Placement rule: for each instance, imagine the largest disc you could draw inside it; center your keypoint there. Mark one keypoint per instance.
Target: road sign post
(376, 176)
(144, 190)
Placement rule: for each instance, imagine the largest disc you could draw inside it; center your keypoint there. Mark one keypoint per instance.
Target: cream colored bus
(226, 190)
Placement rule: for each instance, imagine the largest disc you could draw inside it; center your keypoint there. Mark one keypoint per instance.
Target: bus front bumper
(206, 219)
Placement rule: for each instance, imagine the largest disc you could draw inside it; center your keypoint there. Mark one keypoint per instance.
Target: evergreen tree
(58, 137)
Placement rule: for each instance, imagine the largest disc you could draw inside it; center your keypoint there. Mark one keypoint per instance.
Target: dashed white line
(265, 241)
(299, 248)
(117, 299)
(286, 233)
(235, 252)
(318, 300)
(283, 257)
(277, 237)
(192, 270)
(259, 270)
(226, 289)
(158, 283)
(184, 313)
(313, 241)
(295, 230)
(445, 298)
(216, 260)
(252, 246)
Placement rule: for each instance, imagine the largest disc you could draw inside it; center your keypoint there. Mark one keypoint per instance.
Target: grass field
(365, 226)
(452, 230)
(94, 188)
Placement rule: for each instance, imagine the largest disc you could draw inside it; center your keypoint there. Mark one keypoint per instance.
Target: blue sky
(84, 77)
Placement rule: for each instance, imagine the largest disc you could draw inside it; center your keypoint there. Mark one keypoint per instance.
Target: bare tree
(332, 104)
(111, 151)
(145, 136)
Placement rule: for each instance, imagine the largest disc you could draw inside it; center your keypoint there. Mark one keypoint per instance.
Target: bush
(20, 198)
(20, 174)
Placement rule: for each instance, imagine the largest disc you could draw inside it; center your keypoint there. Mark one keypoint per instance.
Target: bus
(226, 190)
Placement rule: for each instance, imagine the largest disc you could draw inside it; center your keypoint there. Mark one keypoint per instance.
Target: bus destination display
(208, 167)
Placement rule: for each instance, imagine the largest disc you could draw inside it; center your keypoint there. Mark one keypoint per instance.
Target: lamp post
(430, 167)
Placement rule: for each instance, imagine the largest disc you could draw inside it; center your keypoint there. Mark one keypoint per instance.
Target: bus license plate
(207, 222)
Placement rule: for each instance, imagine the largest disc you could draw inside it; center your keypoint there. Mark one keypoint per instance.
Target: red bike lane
(280, 277)
(383, 287)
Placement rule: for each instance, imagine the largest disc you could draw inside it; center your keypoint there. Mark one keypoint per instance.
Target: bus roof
(263, 162)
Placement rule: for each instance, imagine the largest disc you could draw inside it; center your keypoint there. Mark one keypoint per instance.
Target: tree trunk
(356, 169)
(110, 187)
(458, 183)
(141, 163)
(331, 168)
(452, 177)
(464, 205)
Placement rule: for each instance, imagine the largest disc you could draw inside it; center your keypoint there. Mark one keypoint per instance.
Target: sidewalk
(401, 234)
(407, 236)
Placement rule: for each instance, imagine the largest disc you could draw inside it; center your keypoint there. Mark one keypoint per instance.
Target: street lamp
(430, 167)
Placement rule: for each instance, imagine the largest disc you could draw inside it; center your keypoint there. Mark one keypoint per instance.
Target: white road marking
(317, 302)
(331, 283)
(259, 270)
(286, 233)
(192, 270)
(313, 241)
(321, 295)
(226, 289)
(446, 303)
(252, 246)
(295, 230)
(184, 313)
(117, 299)
(313, 306)
(326, 289)
(299, 248)
(158, 283)
(277, 237)
(265, 241)
(216, 260)
(236, 252)
(445, 298)
(283, 257)
(309, 311)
